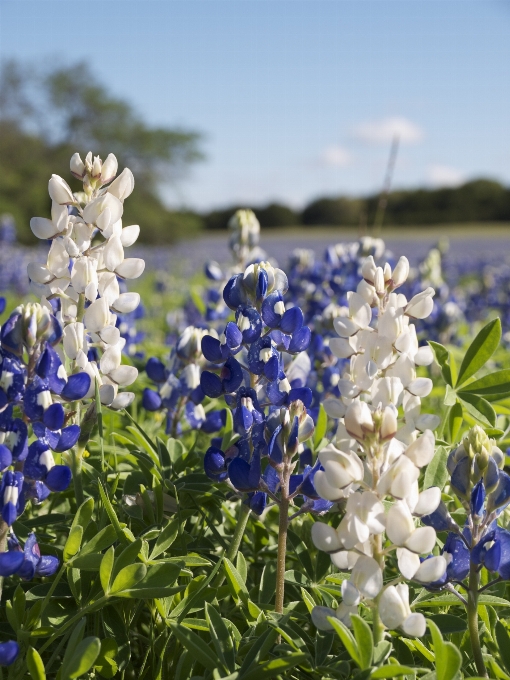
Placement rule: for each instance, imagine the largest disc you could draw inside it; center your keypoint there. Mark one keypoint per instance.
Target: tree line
(480, 200)
(48, 114)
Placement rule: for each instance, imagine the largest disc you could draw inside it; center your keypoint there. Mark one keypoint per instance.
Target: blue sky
(296, 98)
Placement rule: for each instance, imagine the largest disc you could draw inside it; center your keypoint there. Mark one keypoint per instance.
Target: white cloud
(381, 131)
(444, 176)
(335, 157)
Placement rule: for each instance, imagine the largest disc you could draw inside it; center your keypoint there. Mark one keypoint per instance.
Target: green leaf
(102, 540)
(221, 638)
(105, 570)
(111, 514)
(73, 542)
(127, 556)
(274, 667)
(480, 350)
(450, 396)
(35, 665)
(503, 640)
(82, 659)
(159, 582)
(364, 641)
(302, 552)
(128, 577)
(441, 354)
(115, 627)
(195, 645)
(436, 473)
(448, 658)
(194, 598)
(234, 579)
(259, 650)
(442, 600)
(176, 449)
(166, 538)
(478, 407)
(227, 430)
(105, 664)
(321, 427)
(392, 671)
(268, 583)
(455, 419)
(494, 383)
(382, 652)
(447, 623)
(347, 639)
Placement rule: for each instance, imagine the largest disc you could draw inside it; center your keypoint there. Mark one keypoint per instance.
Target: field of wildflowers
(306, 479)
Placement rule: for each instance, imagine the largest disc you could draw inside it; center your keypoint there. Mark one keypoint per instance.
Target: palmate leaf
(480, 351)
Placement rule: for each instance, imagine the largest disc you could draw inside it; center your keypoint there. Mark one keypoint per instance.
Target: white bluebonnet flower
(80, 281)
(375, 459)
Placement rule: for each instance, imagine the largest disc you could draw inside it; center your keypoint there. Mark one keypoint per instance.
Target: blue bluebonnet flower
(179, 391)
(26, 562)
(9, 652)
(479, 482)
(248, 365)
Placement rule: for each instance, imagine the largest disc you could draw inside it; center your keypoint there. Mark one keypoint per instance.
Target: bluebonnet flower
(479, 482)
(9, 652)
(179, 391)
(26, 562)
(269, 413)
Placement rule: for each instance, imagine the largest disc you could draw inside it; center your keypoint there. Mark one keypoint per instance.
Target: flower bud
(401, 272)
(77, 166)
(368, 269)
(109, 169)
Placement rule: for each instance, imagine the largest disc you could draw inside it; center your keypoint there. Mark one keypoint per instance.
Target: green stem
(235, 541)
(377, 625)
(282, 539)
(242, 521)
(81, 308)
(4, 530)
(50, 592)
(472, 616)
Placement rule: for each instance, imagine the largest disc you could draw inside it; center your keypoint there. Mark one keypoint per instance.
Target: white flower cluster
(85, 262)
(244, 234)
(373, 460)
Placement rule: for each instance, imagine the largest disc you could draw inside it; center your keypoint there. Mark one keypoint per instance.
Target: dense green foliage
(481, 200)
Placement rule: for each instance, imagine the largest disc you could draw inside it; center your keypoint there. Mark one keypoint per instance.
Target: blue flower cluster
(479, 482)
(270, 420)
(179, 392)
(34, 388)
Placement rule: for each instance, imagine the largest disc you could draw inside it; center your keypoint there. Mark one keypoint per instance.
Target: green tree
(47, 116)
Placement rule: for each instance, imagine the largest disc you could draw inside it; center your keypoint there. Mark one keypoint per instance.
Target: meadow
(306, 477)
